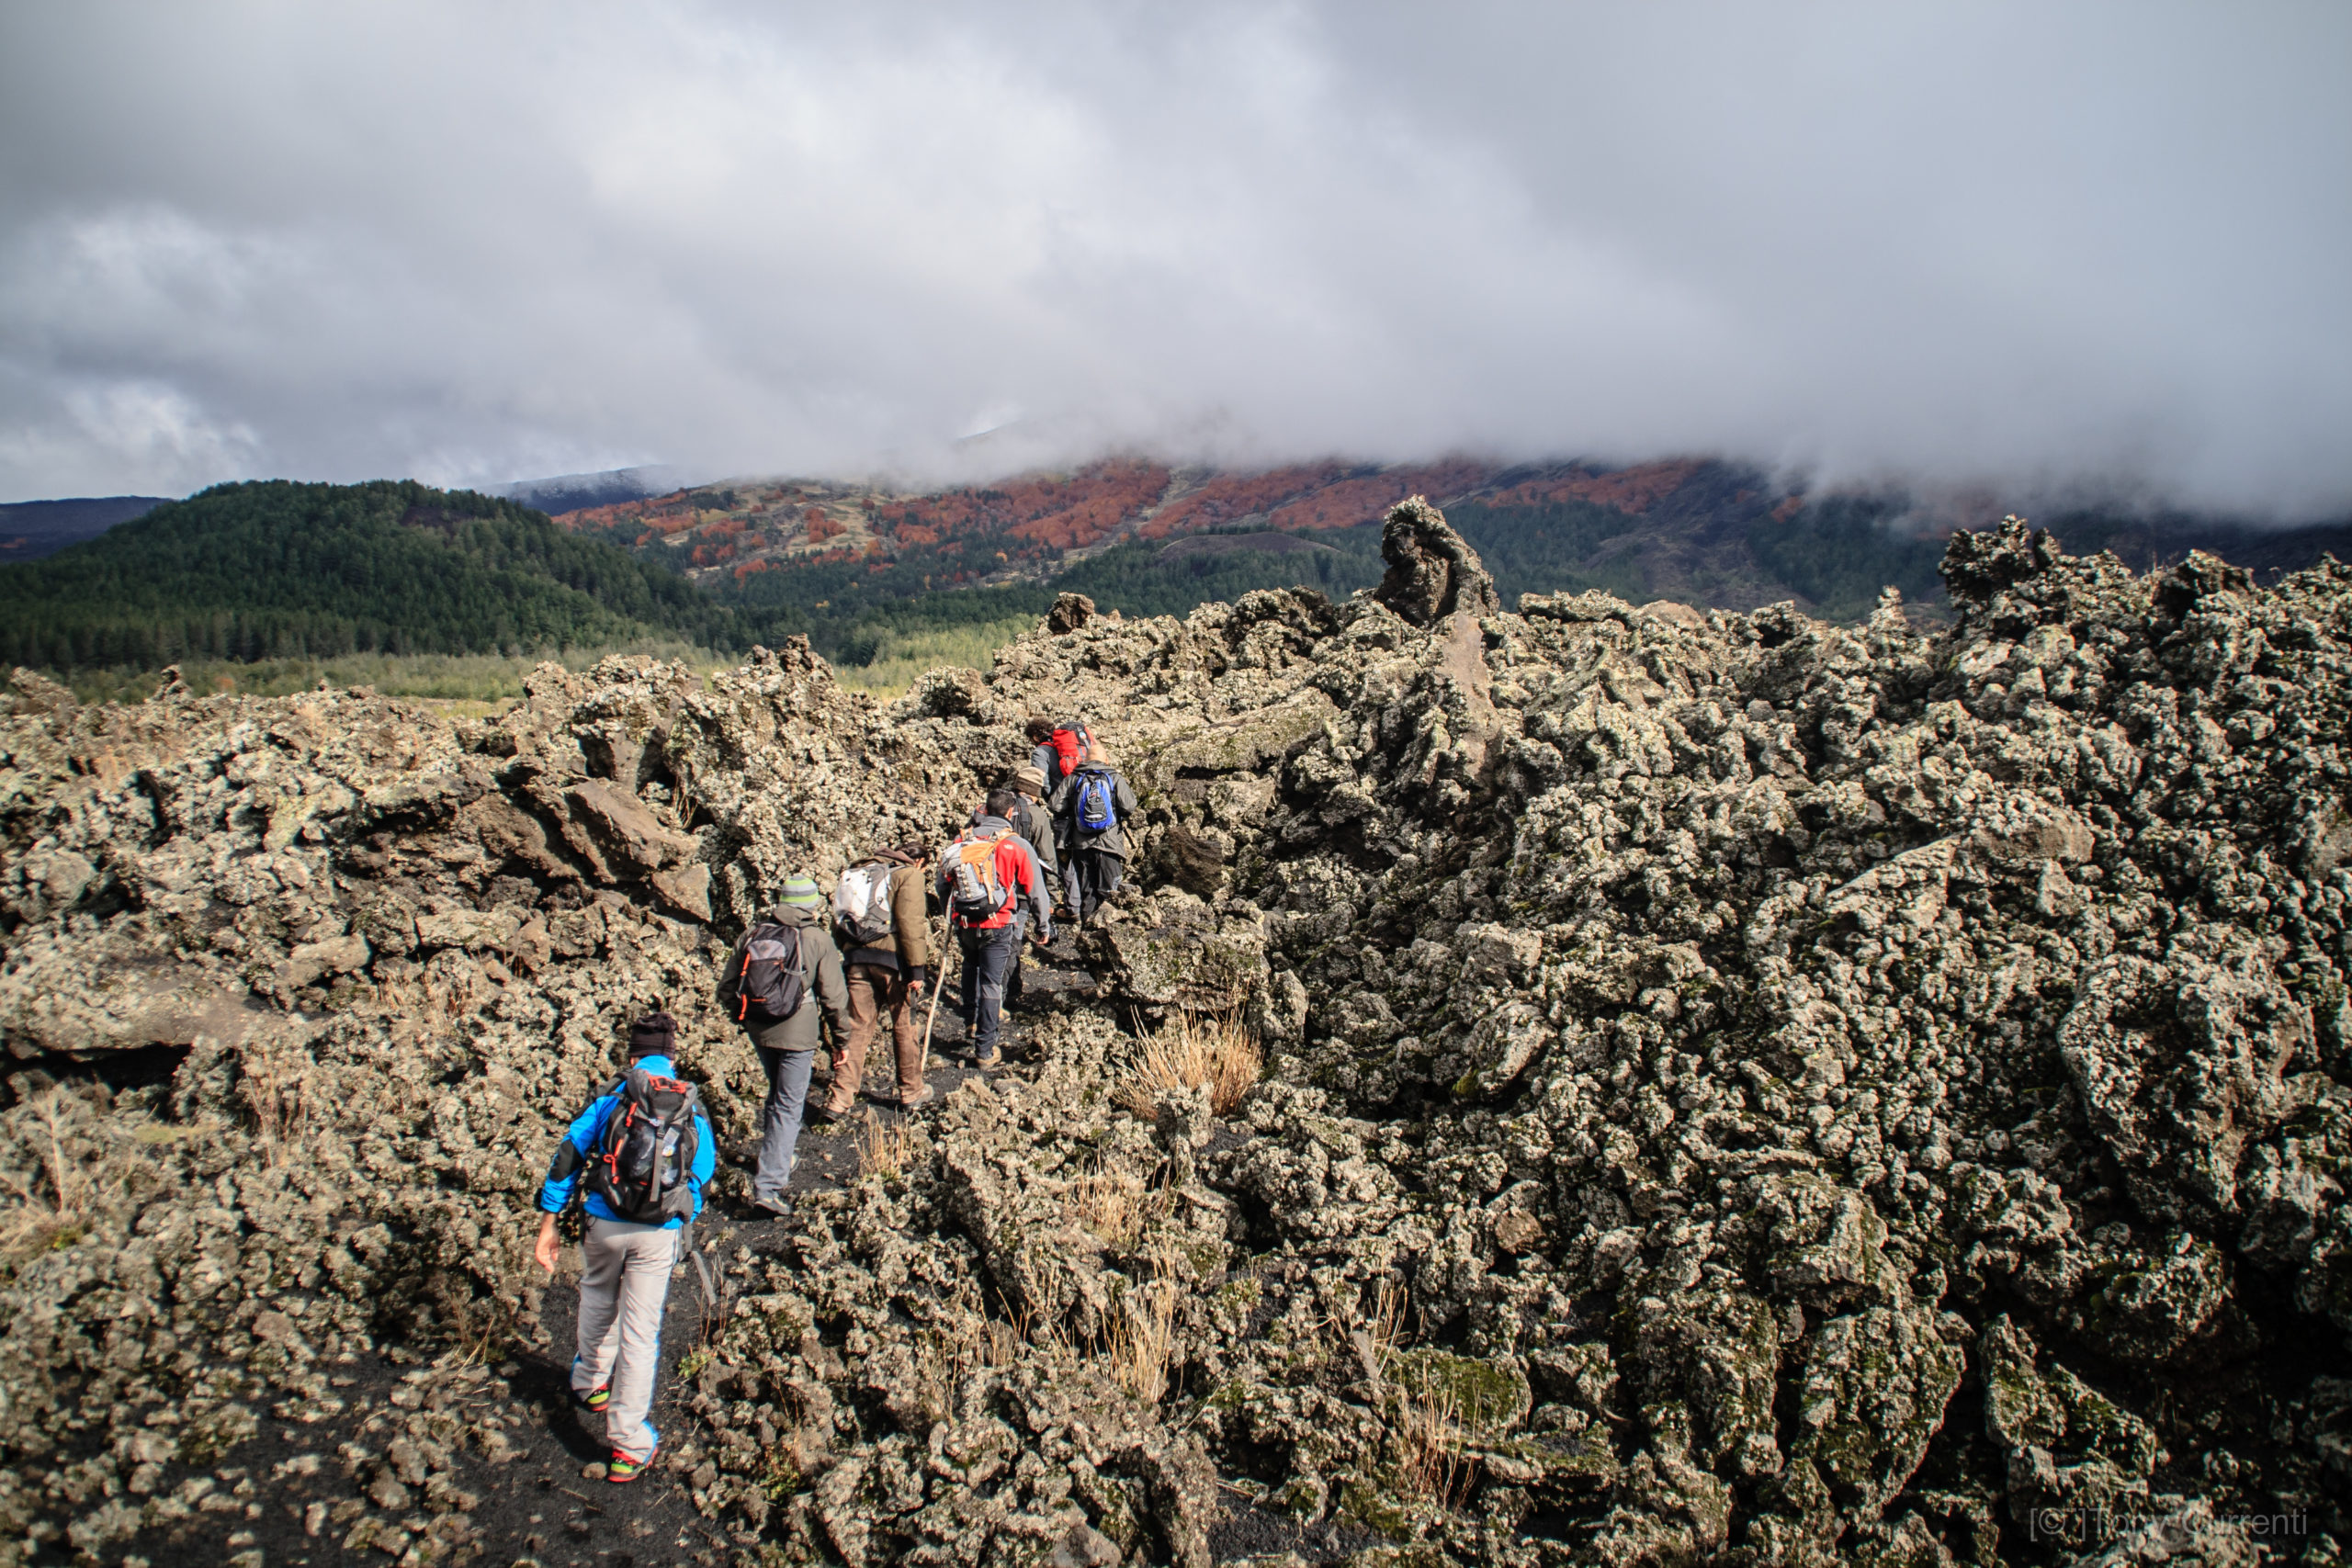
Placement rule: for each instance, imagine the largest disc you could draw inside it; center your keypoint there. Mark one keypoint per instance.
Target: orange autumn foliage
(1352, 501)
(1313, 495)
(1040, 517)
(1228, 498)
(1051, 511)
(1633, 490)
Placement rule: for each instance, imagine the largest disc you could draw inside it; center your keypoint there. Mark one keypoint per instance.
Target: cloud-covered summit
(2090, 245)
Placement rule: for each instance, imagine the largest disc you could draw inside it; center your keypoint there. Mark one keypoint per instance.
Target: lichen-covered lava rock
(1739, 1088)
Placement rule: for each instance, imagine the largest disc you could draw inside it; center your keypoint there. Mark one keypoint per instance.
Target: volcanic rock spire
(1431, 571)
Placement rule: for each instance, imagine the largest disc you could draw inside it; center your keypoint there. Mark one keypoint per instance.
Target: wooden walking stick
(939, 984)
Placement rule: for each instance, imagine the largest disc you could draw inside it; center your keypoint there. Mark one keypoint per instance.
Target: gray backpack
(862, 904)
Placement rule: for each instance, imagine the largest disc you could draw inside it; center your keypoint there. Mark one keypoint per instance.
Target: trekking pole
(939, 984)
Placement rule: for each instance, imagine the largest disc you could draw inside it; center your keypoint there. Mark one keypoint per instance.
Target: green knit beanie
(801, 893)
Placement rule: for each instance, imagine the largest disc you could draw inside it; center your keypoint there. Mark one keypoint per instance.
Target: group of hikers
(809, 968)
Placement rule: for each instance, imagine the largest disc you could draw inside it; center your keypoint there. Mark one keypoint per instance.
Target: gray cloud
(2033, 245)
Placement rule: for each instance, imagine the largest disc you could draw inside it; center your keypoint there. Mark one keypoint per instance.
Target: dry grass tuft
(33, 1222)
(1432, 1463)
(58, 1182)
(1216, 1053)
(884, 1149)
(277, 1083)
(1143, 1341)
(1387, 1326)
(952, 1348)
(1117, 1207)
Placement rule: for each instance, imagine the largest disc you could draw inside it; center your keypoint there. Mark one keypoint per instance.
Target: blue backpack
(1096, 812)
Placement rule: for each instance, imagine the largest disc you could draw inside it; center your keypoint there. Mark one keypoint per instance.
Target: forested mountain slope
(280, 571)
(277, 570)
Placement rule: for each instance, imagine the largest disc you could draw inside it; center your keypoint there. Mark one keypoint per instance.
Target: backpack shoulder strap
(617, 1093)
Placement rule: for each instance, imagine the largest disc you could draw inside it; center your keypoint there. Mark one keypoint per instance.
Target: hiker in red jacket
(987, 879)
(1056, 749)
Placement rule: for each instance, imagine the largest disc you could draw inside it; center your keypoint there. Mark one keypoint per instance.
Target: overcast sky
(2033, 245)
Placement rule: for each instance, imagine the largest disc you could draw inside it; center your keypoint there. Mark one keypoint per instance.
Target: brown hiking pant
(873, 989)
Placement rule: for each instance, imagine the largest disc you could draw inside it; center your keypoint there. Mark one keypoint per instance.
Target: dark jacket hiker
(1092, 809)
(762, 978)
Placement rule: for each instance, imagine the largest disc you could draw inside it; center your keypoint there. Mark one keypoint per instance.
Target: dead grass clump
(1426, 1420)
(1143, 1341)
(59, 1179)
(1387, 1325)
(884, 1149)
(1117, 1207)
(1432, 1464)
(950, 1349)
(60, 1219)
(276, 1082)
(1216, 1053)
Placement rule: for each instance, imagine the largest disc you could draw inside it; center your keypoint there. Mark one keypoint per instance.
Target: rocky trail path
(334, 1493)
(298, 1496)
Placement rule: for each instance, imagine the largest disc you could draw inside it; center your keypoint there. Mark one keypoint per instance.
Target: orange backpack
(976, 893)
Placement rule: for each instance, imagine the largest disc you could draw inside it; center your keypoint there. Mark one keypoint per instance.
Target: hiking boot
(594, 1400)
(621, 1470)
(909, 1102)
(777, 1208)
(825, 1115)
(992, 1060)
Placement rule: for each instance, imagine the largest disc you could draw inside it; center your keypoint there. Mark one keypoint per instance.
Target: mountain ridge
(862, 568)
(274, 569)
(1708, 531)
(34, 530)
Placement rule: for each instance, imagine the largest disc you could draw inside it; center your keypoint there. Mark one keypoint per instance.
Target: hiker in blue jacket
(626, 1264)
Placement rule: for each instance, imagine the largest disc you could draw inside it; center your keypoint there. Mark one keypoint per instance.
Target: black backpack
(770, 986)
(646, 1149)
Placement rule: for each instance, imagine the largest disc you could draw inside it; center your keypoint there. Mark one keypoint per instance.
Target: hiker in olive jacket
(1094, 859)
(1034, 824)
(888, 978)
(789, 1048)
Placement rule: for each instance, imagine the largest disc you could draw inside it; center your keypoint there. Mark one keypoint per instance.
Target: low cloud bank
(2067, 248)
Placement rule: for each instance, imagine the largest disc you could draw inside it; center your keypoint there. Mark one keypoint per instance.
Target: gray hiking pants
(626, 1283)
(787, 1073)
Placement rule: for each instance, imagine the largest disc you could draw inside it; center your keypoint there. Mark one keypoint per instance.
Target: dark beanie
(651, 1035)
